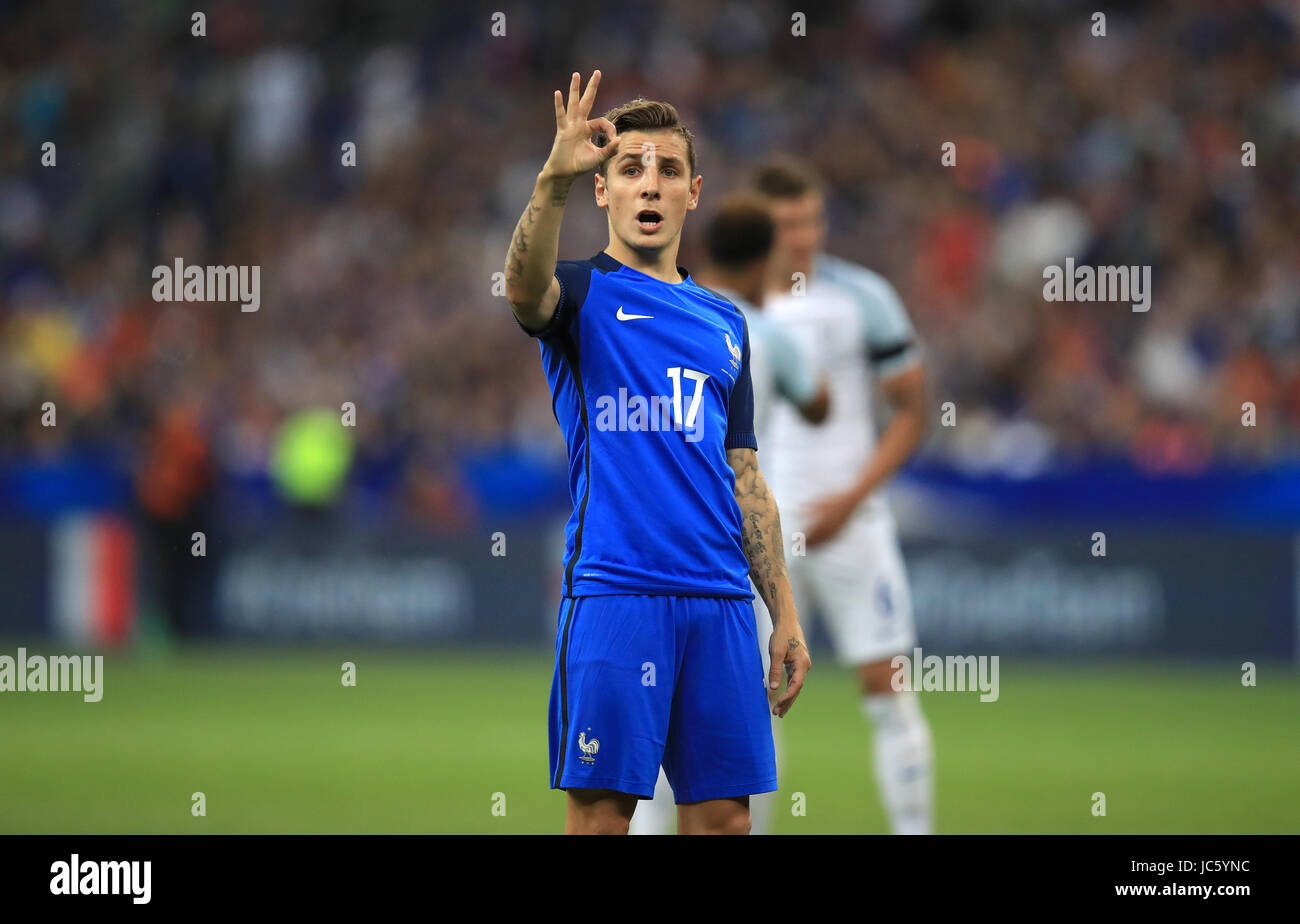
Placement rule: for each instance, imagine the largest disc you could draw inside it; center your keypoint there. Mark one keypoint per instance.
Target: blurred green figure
(311, 458)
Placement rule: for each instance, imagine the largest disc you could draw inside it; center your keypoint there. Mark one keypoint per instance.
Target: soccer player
(739, 242)
(826, 478)
(656, 658)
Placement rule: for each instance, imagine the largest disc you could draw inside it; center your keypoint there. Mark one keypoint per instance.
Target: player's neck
(660, 263)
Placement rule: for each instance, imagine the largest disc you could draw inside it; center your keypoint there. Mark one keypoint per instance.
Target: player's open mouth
(649, 220)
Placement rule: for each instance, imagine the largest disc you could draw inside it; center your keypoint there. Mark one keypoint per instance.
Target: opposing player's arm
(761, 535)
(892, 349)
(797, 381)
(815, 410)
(905, 394)
(894, 353)
(531, 286)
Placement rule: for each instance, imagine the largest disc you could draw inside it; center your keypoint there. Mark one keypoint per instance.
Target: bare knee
(717, 816)
(737, 823)
(599, 811)
(600, 824)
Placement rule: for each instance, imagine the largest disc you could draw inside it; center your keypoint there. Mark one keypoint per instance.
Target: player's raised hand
(789, 652)
(573, 154)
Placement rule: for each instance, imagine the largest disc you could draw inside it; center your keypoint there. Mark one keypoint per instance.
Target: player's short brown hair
(646, 115)
(786, 178)
(741, 233)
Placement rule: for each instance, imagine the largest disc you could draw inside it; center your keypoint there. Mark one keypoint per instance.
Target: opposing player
(739, 241)
(656, 659)
(827, 478)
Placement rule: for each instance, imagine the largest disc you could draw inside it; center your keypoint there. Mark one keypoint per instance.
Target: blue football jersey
(650, 384)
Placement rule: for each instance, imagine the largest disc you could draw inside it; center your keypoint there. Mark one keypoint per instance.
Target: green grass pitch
(423, 742)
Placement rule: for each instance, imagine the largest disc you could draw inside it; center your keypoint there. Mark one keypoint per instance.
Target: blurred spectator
(174, 492)
(378, 280)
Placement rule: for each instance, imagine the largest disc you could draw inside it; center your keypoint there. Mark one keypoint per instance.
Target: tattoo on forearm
(560, 191)
(761, 533)
(519, 245)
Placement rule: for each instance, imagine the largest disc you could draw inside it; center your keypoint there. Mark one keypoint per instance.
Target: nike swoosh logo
(630, 317)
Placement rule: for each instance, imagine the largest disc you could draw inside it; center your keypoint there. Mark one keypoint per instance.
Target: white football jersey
(776, 366)
(852, 325)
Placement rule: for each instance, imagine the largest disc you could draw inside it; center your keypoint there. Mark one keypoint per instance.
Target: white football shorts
(856, 584)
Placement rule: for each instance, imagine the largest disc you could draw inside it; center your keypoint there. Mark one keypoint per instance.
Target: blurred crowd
(378, 279)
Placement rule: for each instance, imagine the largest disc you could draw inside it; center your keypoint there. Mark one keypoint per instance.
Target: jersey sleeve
(890, 340)
(574, 277)
(740, 409)
(790, 367)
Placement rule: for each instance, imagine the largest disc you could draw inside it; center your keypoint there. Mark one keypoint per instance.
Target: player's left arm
(761, 538)
(761, 535)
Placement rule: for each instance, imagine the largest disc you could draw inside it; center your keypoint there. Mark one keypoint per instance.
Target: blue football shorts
(645, 680)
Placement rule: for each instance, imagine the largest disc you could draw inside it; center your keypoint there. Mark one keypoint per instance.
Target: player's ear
(601, 201)
(694, 200)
